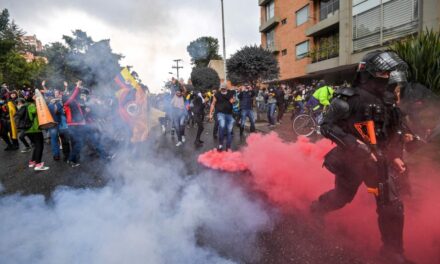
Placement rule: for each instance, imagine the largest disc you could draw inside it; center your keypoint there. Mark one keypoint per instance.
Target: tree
(14, 69)
(422, 53)
(82, 58)
(17, 72)
(202, 50)
(252, 64)
(205, 78)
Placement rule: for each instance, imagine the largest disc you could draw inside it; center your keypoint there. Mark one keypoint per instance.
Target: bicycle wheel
(304, 125)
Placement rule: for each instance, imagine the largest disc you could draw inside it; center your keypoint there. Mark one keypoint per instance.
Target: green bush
(422, 53)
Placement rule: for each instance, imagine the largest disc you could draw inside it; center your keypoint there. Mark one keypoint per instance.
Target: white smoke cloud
(148, 213)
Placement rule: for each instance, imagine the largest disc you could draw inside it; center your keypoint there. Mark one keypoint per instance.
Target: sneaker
(73, 164)
(56, 158)
(183, 139)
(26, 150)
(180, 143)
(220, 148)
(40, 167)
(32, 164)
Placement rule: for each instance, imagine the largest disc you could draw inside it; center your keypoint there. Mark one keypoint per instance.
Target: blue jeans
(76, 134)
(55, 141)
(250, 114)
(271, 113)
(226, 124)
(179, 120)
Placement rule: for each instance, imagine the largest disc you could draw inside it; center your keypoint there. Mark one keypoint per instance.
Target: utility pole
(224, 43)
(177, 67)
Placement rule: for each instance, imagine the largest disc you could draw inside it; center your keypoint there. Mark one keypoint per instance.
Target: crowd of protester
(76, 114)
(235, 106)
(79, 116)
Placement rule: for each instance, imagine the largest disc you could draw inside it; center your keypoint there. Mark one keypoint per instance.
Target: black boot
(392, 257)
(241, 131)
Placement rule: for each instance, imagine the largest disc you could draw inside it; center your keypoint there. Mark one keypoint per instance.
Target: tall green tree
(252, 64)
(422, 53)
(205, 78)
(202, 50)
(14, 69)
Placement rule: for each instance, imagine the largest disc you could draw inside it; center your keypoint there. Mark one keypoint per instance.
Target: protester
(281, 105)
(260, 101)
(36, 136)
(271, 102)
(215, 131)
(23, 123)
(59, 131)
(75, 122)
(8, 131)
(179, 114)
(198, 109)
(222, 104)
(246, 97)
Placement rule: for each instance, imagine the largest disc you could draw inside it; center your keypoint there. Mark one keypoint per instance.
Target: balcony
(269, 24)
(263, 2)
(324, 53)
(323, 25)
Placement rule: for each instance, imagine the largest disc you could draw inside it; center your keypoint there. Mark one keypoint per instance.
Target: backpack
(22, 118)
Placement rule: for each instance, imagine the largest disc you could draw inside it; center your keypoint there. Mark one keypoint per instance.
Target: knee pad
(334, 162)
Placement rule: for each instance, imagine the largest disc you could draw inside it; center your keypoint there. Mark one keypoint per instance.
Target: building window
(284, 21)
(328, 8)
(376, 23)
(325, 47)
(270, 40)
(302, 15)
(302, 49)
(284, 52)
(270, 10)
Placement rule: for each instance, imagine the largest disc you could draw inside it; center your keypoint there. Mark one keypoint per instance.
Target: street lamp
(224, 42)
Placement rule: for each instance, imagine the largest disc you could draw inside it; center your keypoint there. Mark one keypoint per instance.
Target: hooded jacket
(72, 109)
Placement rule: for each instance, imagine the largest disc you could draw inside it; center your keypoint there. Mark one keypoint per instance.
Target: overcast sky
(149, 33)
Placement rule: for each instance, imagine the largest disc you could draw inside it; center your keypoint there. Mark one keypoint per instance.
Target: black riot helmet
(377, 69)
(377, 62)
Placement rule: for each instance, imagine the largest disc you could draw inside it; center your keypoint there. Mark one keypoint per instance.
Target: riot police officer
(360, 123)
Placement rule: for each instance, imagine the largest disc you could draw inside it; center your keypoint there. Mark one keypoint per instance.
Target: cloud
(149, 33)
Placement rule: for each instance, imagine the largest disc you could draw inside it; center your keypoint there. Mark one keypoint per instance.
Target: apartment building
(32, 41)
(325, 39)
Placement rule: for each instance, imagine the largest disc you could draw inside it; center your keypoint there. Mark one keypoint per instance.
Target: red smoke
(292, 176)
(225, 161)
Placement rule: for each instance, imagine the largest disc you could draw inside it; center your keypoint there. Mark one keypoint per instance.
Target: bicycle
(306, 124)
